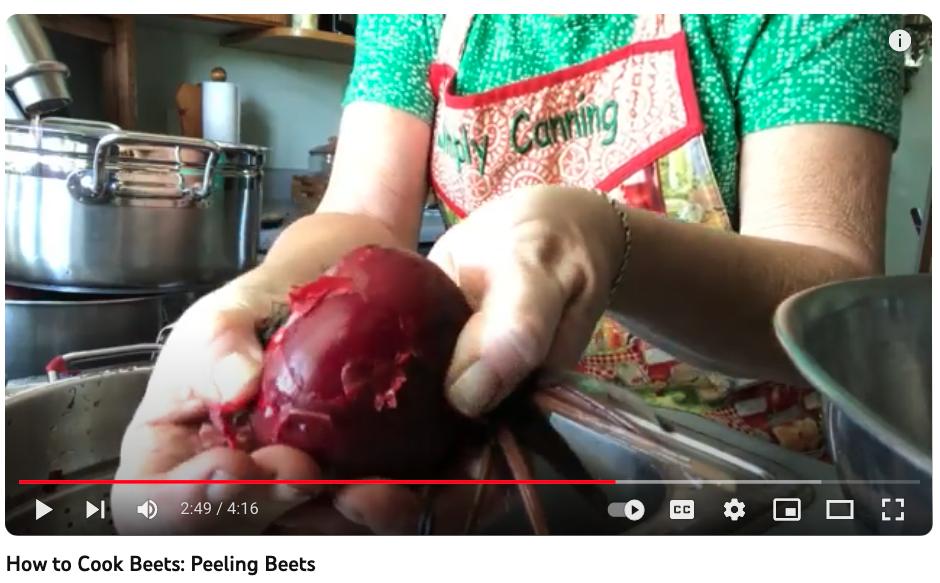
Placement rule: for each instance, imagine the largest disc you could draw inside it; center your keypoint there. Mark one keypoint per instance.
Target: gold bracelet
(627, 243)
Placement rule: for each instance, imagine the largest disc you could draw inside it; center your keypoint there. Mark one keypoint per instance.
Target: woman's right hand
(211, 358)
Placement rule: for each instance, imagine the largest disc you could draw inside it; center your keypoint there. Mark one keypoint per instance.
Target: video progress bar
(758, 482)
(65, 482)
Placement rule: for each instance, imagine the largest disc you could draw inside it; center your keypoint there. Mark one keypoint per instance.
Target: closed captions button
(682, 509)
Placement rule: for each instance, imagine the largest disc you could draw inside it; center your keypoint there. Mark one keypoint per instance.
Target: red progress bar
(325, 482)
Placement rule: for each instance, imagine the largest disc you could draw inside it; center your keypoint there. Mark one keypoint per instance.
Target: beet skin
(355, 377)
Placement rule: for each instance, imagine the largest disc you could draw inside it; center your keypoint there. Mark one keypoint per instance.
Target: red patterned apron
(626, 123)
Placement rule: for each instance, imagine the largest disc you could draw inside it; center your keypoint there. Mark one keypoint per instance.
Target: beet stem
(519, 467)
(280, 312)
(479, 495)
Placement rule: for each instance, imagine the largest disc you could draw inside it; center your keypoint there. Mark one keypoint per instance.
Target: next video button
(682, 509)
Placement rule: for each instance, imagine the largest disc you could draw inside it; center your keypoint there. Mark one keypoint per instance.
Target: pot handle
(79, 123)
(94, 186)
(586, 401)
(59, 366)
(164, 334)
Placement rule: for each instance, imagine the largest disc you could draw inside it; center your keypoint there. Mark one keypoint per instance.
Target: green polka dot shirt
(752, 72)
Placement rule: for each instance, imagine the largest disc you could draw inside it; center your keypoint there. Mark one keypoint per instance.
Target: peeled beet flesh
(355, 377)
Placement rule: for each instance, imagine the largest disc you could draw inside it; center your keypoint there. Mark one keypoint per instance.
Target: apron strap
(455, 28)
(648, 27)
(453, 39)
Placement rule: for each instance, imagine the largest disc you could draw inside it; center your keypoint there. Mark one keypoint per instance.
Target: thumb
(212, 357)
(508, 338)
(235, 353)
(235, 360)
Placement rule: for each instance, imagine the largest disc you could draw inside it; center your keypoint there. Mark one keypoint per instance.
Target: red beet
(355, 377)
(18, 293)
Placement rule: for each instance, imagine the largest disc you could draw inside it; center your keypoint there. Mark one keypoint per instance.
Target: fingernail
(222, 492)
(476, 391)
(232, 373)
(255, 353)
(289, 495)
(351, 514)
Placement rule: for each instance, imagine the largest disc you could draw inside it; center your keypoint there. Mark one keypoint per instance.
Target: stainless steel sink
(74, 427)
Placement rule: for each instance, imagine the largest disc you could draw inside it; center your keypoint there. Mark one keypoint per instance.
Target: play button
(41, 510)
(634, 510)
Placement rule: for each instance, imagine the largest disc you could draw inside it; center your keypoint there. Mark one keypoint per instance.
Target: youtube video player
(547, 276)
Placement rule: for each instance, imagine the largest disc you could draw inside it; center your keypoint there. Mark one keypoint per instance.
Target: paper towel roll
(221, 112)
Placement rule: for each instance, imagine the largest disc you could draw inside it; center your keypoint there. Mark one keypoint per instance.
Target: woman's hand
(538, 267)
(211, 358)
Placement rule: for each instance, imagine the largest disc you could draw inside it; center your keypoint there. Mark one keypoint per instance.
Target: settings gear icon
(734, 509)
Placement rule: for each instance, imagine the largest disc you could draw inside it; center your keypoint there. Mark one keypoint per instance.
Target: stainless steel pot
(866, 346)
(37, 331)
(92, 207)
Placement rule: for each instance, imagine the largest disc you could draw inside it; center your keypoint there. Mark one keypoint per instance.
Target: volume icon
(148, 509)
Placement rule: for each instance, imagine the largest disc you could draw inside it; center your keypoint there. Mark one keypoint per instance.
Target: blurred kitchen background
(291, 71)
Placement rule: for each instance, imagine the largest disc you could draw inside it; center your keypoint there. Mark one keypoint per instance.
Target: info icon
(787, 509)
(900, 40)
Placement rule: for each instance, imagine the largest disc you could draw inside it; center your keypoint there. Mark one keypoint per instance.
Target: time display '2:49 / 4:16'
(243, 508)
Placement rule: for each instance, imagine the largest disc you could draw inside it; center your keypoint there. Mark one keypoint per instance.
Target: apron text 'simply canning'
(626, 123)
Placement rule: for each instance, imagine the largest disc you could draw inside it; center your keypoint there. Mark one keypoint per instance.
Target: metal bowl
(865, 344)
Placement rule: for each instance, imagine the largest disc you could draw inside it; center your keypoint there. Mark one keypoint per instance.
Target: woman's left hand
(537, 267)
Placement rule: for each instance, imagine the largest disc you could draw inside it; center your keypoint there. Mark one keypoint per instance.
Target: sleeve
(823, 68)
(393, 56)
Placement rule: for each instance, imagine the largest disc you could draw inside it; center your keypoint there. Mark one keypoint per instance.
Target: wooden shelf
(247, 19)
(258, 32)
(296, 42)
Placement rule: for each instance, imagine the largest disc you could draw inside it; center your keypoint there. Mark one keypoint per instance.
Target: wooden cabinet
(256, 19)
(100, 50)
(109, 40)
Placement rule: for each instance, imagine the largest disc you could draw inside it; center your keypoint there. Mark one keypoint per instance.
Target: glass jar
(321, 158)
(304, 21)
